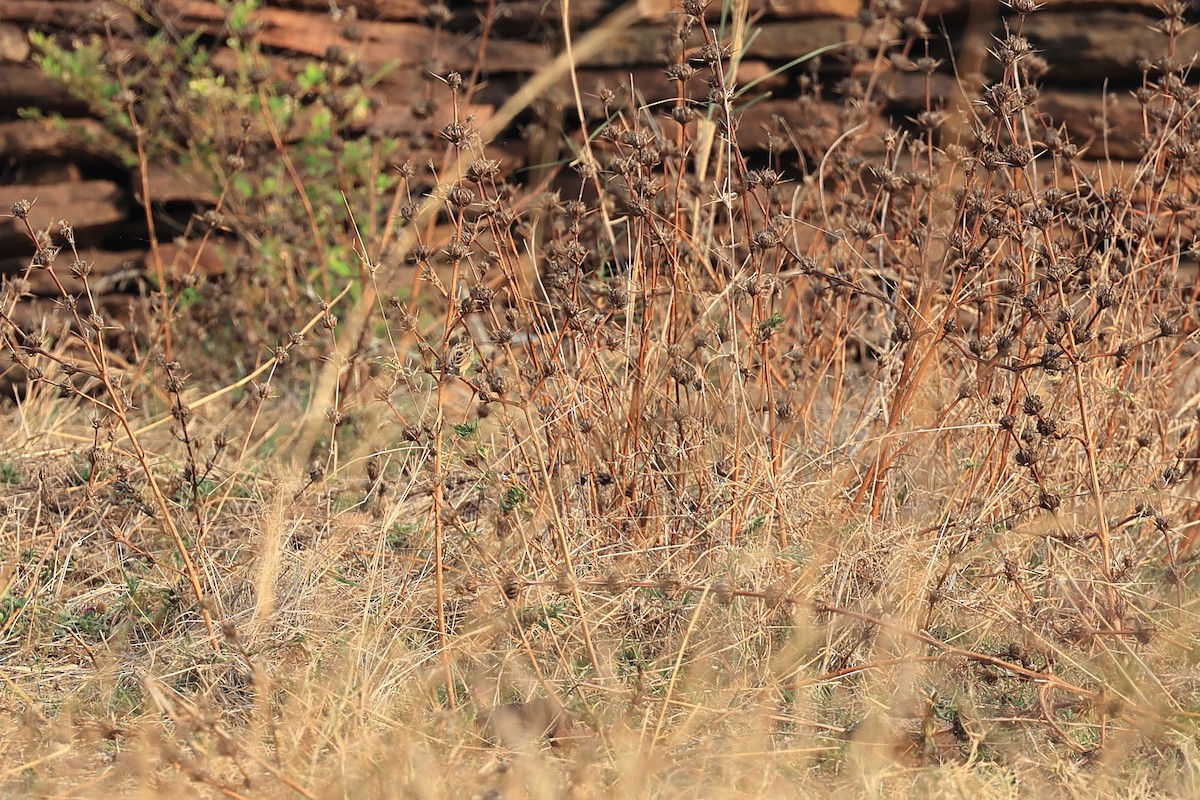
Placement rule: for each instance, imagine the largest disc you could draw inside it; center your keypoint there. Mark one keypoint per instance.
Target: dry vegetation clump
(869, 466)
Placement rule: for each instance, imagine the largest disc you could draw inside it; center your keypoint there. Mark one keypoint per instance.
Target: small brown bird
(516, 725)
(458, 357)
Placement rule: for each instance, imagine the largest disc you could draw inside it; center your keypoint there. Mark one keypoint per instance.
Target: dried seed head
(682, 372)
(44, 257)
(928, 65)
(460, 197)
(617, 297)
(1170, 476)
(681, 73)
(420, 254)
(482, 169)
(438, 14)
(914, 28)
(456, 134)
(1023, 6)
(1011, 49)
(713, 54)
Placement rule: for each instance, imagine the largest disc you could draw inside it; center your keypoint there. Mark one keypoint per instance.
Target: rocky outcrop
(1095, 52)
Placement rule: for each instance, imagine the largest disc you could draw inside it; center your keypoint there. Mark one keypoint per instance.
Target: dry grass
(875, 475)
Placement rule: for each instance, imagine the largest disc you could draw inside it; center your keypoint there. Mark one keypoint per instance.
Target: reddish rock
(108, 269)
(169, 183)
(211, 258)
(398, 44)
(811, 125)
(47, 313)
(42, 139)
(78, 16)
(1111, 130)
(935, 8)
(787, 41)
(1088, 47)
(25, 85)
(783, 9)
(14, 44)
(91, 207)
(363, 9)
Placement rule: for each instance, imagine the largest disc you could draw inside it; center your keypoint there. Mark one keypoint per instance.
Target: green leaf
(310, 76)
(242, 186)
